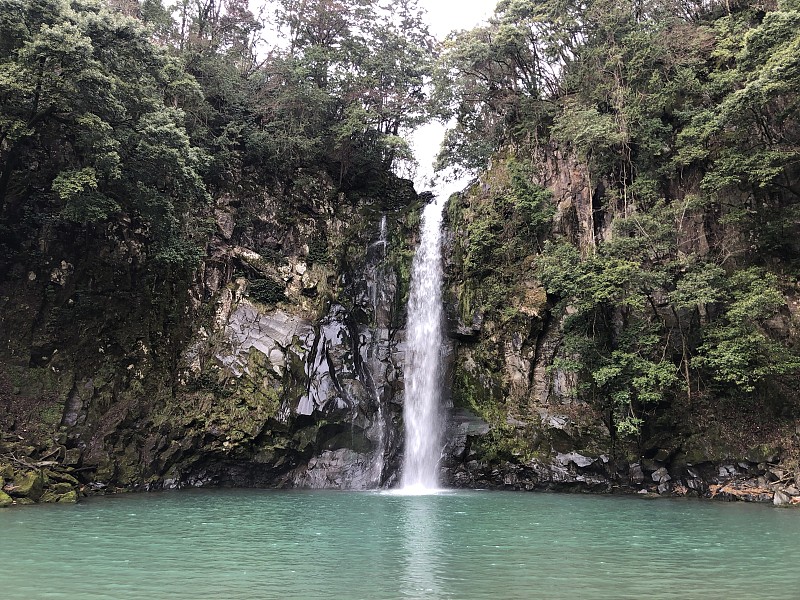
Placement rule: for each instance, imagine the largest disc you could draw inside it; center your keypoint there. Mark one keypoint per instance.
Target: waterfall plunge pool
(251, 544)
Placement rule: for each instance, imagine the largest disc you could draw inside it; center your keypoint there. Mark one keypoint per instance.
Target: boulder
(781, 498)
(61, 488)
(48, 497)
(662, 455)
(578, 460)
(68, 498)
(56, 476)
(650, 465)
(763, 454)
(661, 475)
(5, 499)
(72, 456)
(29, 485)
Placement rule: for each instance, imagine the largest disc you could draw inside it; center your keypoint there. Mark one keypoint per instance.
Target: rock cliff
(524, 418)
(278, 362)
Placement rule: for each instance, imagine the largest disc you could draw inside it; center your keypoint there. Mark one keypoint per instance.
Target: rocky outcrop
(318, 362)
(473, 464)
(280, 361)
(28, 479)
(277, 363)
(538, 430)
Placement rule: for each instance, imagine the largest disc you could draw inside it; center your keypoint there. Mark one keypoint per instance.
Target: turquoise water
(337, 545)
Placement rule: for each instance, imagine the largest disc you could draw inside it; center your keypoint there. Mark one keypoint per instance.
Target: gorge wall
(278, 363)
(204, 257)
(526, 416)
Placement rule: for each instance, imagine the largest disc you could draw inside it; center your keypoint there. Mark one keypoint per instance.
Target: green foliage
(89, 208)
(557, 266)
(86, 85)
(501, 232)
(610, 337)
(735, 349)
(266, 291)
(106, 118)
(700, 285)
(489, 77)
(318, 250)
(687, 118)
(532, 203)
(351, 81)
(587, 130)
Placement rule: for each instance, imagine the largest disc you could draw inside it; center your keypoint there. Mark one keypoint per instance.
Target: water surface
(339, 545)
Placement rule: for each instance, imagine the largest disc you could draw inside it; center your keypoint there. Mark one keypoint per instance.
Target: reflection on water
(421, 547)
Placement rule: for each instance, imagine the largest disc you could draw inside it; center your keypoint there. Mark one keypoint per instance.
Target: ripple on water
(461, 545)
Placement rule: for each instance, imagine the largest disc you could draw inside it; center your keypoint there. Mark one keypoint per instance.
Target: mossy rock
(5, 499)
(695, 456)
(70, 497)
(72, 456)
(61, 488)
(49, 497)
(267, 291)
(105, 469)
(706, 447)
(763, 454)
(61, 477)
(29, 485)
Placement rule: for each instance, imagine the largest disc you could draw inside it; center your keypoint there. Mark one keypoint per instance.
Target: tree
(85, 133)
(495, 77)
(368, 64)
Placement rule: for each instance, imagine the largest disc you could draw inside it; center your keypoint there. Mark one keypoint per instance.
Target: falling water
(422, 414)
(379, 457)
(384, 230)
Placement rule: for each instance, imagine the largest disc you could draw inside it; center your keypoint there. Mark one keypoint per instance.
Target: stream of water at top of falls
(422, 413)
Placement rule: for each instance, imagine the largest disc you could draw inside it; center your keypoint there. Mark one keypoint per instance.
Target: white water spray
(422, 411)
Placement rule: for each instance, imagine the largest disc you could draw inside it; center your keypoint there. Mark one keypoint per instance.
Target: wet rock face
(336, 377)
(326, 347)
(342, 468)
(278, 362)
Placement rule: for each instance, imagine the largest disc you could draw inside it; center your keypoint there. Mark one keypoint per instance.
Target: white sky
(447, 15)
(444, 16)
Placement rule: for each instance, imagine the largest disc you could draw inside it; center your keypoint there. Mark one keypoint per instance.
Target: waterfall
(377, 296)
(384, 231)
(422, 412)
